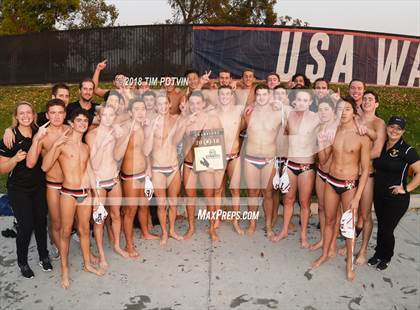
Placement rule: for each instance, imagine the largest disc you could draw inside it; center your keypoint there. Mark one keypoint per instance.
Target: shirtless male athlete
(56, 113)
(199, 120)
(175, 95)
(135, 166)
(263, 126)
(356, 91)
(328, 126)
(73, 155)
(161, 144)
(106, 150)
(375, 129)
(149, 99)
(280, 102)
(350, 153)
(301, 130)
(230, 115)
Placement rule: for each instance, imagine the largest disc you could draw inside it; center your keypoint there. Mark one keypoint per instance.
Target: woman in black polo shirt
(391, 191)
(26, 190)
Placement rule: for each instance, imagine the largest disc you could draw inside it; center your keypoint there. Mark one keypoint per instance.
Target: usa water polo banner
(337, 55)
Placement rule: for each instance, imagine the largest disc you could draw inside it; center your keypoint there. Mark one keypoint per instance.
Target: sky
(390, 16)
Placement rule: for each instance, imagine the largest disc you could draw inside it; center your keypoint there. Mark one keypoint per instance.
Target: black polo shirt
(76, 105)
(22, 177)
(391, 167)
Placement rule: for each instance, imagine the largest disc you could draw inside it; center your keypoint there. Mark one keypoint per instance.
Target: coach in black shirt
(86, 88)
(391, 191)
(26, 190)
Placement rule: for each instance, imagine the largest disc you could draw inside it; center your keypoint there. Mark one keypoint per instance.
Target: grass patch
(393, 101)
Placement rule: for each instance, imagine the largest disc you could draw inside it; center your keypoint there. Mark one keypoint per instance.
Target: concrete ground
(236, 273)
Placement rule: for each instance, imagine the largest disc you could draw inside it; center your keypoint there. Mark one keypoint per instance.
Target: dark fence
(69, 56)
(154, 50)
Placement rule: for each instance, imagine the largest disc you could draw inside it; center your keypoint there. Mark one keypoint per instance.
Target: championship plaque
(209, 149)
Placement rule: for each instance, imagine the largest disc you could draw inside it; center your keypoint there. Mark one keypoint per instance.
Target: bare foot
(149, 236)
(361, 258)
(274, 220)
(149, 225)
(121, 252)
(270, 235)
(189, 233)
(65, 283)
(319, 261)
(280, 235)
(132, 252)
(175, 236)
(238, 228)
(94, 260)
(103, 264)
(251, 229)
(304, 244)
(332, 252)
(351, 275)
(342, 251)
(98, 272)
(316, 246)
(163, 239)
(213, 235)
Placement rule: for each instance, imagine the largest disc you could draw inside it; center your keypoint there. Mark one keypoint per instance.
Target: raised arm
(365, 131)
(122, 135)
(36, 147)
(96, 155)
(52, 155)
(95, 78)
(8, 137)
(325, 142)
(182, 125)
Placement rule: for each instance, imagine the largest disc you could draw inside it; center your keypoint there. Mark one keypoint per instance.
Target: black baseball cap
(397, 120)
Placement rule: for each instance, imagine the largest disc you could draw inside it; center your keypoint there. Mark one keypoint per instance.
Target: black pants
(389, 211)
(30, 210)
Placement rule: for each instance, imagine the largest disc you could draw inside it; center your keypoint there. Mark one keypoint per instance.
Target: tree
(287, 20)
(188, 11)
(243, 12)
(92, 14)
(224, 11)
(22, 16)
